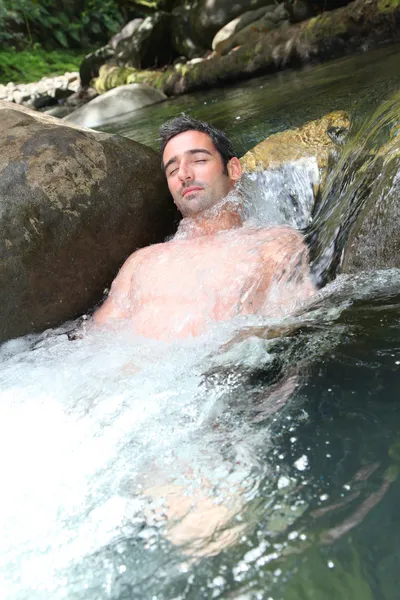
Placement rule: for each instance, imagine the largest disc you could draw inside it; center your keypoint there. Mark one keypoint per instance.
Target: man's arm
(289, 279)
(117, 306)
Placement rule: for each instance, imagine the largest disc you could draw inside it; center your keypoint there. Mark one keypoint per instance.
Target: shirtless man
(216, 267)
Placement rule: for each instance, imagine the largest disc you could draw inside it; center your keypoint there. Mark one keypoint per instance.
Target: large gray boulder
(209, 16)
(74, 204)
(115, 103)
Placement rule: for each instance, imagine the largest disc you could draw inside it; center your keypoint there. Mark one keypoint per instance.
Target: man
(215, 268)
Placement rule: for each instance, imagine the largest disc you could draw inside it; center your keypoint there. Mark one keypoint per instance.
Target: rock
(316, 139)
(337, 33)
(195, 61)
(111, 76)
(249, 33)
(299, 10)
(117, 102)
(149, 45)
(40, 94)
(209, 16)
(92, 62)
(83, 95)
(73, 205)
(59, 111)
(126, 32)
(368, 181)
(182, 36)
(38, 101)
(221, 39)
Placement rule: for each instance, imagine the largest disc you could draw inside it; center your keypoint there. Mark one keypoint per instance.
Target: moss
(33, 64)
(388, 5)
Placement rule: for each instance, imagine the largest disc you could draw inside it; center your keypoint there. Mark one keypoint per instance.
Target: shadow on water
(259, 461)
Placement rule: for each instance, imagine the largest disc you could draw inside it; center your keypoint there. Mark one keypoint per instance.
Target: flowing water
(258, 461)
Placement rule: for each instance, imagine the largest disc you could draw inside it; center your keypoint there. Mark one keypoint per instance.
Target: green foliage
(32, 65)
(80, 23)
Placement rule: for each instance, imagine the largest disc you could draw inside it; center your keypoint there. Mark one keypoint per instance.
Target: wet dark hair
(178, 125)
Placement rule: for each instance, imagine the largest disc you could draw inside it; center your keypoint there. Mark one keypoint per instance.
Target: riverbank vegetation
(34, 63)
(39, 38)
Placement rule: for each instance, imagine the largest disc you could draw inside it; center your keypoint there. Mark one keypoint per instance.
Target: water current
(259, 461)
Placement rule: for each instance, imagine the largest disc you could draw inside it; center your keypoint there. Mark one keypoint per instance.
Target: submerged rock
(317, 139)
(116, 102)
(73, 205)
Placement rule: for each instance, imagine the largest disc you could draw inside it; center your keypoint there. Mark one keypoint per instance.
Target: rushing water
(258, 461)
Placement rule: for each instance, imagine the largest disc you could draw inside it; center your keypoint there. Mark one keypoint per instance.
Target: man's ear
(234, 169)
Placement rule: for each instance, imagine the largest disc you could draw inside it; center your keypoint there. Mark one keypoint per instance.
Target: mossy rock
(317, 139)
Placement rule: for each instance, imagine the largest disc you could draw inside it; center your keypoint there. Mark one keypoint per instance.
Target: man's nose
(185, 172)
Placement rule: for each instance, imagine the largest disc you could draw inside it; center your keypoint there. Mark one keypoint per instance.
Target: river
(260, 468)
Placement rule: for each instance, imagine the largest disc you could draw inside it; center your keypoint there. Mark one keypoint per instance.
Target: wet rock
(73, 205)
(249, 26)
(370, 232)
(116, 102)
(317, 139)
(208, 17)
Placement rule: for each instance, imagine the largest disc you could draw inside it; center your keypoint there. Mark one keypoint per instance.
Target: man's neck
(211, 222)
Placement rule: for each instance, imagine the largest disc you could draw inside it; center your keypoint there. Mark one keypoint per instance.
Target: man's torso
(178, 288)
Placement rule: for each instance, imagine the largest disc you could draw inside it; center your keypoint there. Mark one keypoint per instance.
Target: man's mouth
(189, 190)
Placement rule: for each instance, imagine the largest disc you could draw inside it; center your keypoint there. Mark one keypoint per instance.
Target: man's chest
(190, 271)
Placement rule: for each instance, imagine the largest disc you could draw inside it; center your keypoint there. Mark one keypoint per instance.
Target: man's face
(195, 172)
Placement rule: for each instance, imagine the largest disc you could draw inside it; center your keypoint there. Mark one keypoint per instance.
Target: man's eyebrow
(192, 151)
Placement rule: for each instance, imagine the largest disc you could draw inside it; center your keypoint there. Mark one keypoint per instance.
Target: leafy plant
(80, 23)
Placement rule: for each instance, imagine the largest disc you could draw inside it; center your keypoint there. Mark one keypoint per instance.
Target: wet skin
(215, 268)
